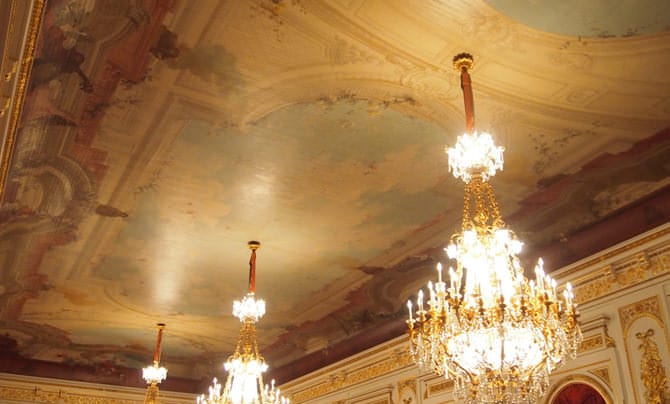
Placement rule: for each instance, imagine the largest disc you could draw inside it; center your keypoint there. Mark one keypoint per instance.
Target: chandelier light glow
(495, 333)
(155, 373)
(245, 367)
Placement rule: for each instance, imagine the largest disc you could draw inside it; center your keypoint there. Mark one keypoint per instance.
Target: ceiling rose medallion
(492, 331)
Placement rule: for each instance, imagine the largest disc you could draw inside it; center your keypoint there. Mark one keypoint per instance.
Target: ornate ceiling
(157, 137)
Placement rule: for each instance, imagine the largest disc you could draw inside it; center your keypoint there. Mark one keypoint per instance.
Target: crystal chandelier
(496, 334)
(245, 367)
(155, 374)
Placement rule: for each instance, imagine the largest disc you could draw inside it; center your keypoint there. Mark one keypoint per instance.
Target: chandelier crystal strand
(245, 367)
(495, 333)
(155, 374)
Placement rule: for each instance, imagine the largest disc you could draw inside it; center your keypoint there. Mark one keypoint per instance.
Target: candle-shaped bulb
(452, 278)
(431, 299)
(569, 294)
(439, 272)
(409, 307)
(419, 299)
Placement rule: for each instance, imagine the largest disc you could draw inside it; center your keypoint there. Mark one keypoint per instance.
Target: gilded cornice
(17, 74)
(47, 391)
(374, 363)
(621, 267)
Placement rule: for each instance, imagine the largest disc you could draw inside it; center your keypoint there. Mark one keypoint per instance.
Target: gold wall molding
(436, 387)
(407, 390)
(650, 307)
(341, 378)
(379, 396)
(369, 365)
(38, 395)
(591, 343)
(603, 374)
(38, 390)
(596, 335)
(652, 370)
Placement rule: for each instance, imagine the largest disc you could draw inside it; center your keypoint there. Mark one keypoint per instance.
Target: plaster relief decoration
(407, 391)
(652, 369)
(603, 374)
(382, 396)
(647, 350)
(438, 386)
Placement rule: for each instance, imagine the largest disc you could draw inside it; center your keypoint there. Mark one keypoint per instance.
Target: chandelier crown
(475, 154)
(494, 332)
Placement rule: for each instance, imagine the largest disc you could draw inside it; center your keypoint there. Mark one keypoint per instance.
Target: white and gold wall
(625, 356)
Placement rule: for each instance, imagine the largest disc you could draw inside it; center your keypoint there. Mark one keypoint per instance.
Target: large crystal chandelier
(155, 373)
(496, 334)
(245, 367)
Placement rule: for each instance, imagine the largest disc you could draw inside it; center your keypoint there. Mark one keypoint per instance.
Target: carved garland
(652, 370)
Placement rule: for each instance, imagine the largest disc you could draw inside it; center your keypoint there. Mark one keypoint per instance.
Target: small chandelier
(155, 374)
(245, 367)
(496, 334)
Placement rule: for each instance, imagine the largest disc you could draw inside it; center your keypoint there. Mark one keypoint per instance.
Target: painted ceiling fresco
(158, 136)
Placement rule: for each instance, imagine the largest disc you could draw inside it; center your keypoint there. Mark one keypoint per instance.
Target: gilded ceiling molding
(21, 78)
(611, 253)
(632, 269)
